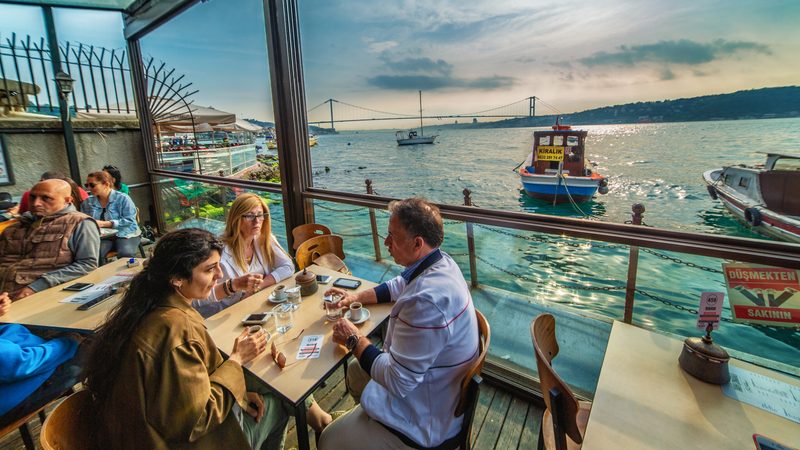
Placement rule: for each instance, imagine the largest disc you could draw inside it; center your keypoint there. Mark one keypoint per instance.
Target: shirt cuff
(383, 293)
(368, 357)
(114, 223)
(39, 285)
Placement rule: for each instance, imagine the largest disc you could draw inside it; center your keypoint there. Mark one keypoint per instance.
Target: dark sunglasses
(90, 185)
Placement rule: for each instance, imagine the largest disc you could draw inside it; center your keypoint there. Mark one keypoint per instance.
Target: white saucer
(272, 298)
(364, 316)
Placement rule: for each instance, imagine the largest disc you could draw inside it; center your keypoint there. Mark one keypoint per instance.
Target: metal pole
(373, 223)
(633, 265)
(473, 266)
(531, 106)
(63, 105)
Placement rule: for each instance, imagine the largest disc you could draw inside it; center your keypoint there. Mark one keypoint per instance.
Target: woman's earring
(177, 284)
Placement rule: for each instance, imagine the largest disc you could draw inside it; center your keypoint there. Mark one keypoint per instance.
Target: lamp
(64, 83)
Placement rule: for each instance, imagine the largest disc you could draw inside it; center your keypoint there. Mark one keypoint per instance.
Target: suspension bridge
(332, 111)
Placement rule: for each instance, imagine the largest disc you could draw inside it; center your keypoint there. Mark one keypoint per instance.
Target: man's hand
(345, 297)
(255, 406)
(24, 292)
(5, 303)
(342, 329)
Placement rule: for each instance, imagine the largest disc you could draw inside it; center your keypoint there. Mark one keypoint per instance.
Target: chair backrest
(543, 333)
(470, 386)
(69, 426)
(302, 233)
(318, 246)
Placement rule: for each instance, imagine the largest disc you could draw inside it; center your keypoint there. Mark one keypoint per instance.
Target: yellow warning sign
(549, 153)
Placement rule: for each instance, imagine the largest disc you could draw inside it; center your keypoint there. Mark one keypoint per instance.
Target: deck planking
(502, 420)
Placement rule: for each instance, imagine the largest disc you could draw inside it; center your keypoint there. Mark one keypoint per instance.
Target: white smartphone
(323, 279)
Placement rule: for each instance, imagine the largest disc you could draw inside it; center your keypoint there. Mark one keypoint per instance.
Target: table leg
(301, 425)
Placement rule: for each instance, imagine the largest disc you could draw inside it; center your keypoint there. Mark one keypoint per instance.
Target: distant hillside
(765, 103)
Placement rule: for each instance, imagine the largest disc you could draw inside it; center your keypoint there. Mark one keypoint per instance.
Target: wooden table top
(644, 400)
(45, 310)
(297, 380)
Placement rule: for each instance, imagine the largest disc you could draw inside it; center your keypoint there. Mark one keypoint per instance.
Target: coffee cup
(279, 293)
(356, 312)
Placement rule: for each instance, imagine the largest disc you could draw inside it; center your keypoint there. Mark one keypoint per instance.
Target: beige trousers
(356, 430)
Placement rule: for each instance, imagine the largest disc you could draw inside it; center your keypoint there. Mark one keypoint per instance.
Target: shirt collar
(421, 264)
(178, 302)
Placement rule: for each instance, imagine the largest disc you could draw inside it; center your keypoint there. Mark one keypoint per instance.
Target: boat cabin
(553, 147)
(780, 183)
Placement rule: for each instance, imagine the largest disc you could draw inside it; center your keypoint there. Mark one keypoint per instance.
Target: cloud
(666, 74)
(431, 82)
(683, 51)
(379, 47)
(428, 74)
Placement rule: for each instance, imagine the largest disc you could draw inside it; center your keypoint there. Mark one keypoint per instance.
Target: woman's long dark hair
(176, 254)
(116, 175)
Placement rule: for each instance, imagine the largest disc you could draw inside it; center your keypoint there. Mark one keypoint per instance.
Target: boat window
(573, 141)
(744, 182)
(558, 140)
(544, 140)
(787, 164)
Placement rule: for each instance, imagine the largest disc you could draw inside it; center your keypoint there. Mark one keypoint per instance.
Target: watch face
(351, 342)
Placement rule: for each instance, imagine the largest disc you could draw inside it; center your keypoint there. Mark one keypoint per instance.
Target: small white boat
(411, 137)
(765, 198)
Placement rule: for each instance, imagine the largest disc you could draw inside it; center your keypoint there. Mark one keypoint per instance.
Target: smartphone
(765, 443)
(347, 283)
(78, 286)
(323, 279)
(255, 319)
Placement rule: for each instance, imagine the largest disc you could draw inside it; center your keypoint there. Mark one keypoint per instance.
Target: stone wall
(98, 144)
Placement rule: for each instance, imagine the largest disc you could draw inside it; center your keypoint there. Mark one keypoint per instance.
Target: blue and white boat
(556, 169)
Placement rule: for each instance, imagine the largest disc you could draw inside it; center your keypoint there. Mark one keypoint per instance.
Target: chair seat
(333, 262)
(547, 426)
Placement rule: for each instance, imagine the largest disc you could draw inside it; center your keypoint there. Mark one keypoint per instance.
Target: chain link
(680, 261)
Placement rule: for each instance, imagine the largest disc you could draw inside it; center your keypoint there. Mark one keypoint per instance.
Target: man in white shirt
(409, 390)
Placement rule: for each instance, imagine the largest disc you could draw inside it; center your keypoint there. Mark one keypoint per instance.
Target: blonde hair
(232, 236)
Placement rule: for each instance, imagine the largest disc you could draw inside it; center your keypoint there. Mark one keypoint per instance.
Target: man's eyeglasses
(90, 185)
(254, 217)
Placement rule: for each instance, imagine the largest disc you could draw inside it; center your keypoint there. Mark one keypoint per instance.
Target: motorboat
(766, 198)
(556, 169)
(411, 137)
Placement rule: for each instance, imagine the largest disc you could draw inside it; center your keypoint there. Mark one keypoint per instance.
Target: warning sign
(763, 294)
(549, 153)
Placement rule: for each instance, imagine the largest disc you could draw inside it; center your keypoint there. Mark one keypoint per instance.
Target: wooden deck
(502, 420)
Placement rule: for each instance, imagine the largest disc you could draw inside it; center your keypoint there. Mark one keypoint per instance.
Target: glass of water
(283, 315)
(293, 297)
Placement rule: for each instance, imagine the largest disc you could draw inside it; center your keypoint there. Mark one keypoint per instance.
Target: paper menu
(82, 297)
(769, 394)
(310, 347)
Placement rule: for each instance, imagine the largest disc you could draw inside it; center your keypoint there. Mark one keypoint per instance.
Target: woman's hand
(346, 297)
(105, 224)
(268, 281)
(247, 346)
(248, 283)
(255, 405)
(5, 303)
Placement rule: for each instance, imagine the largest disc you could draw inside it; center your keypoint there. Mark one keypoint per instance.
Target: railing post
(633, 265)
(373, 223)
(473, 266)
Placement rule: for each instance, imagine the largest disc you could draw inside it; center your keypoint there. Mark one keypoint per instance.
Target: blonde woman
(252, 258)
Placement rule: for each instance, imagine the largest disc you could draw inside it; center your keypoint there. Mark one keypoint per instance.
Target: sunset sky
(469, 56)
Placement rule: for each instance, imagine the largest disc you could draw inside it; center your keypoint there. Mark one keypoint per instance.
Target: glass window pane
(211, 101)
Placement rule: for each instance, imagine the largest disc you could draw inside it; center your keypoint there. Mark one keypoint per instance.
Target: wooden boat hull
(748, 207)
(548, 187)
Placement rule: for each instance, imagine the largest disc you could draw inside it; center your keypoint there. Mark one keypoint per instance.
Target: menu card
(763, 392)
(310, 347)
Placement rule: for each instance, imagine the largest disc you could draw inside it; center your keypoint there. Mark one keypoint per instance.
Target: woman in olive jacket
(156, 376)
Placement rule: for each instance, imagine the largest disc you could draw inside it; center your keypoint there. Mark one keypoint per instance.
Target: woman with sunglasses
(156, 377)
(252, 258)
(112, 209)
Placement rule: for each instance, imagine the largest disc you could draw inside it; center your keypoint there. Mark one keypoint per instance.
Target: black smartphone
(78, 286)
(346, 283)
(255, 319)
(323, 279)
(765, 443)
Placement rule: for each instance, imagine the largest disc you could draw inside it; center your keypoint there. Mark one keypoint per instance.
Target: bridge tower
(531, 106)
(330, 103)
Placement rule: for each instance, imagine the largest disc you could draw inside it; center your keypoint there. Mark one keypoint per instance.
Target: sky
(470, 56)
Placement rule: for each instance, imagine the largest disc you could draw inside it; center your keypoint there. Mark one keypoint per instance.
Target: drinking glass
(294, 298)
(283, 314)
(332, 312)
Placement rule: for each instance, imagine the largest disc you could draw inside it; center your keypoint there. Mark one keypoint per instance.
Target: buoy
(752, 216)
(712, 191)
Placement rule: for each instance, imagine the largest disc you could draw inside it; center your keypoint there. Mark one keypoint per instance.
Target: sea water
(658, 165)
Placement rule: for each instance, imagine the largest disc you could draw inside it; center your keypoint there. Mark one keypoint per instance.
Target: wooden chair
(7, 223)
(302, 233)
(326, 251)
(470, 386)
(21, 424)
(564, 420)
(69, 426)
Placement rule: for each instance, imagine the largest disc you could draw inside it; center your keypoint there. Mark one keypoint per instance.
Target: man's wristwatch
(351, 342)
